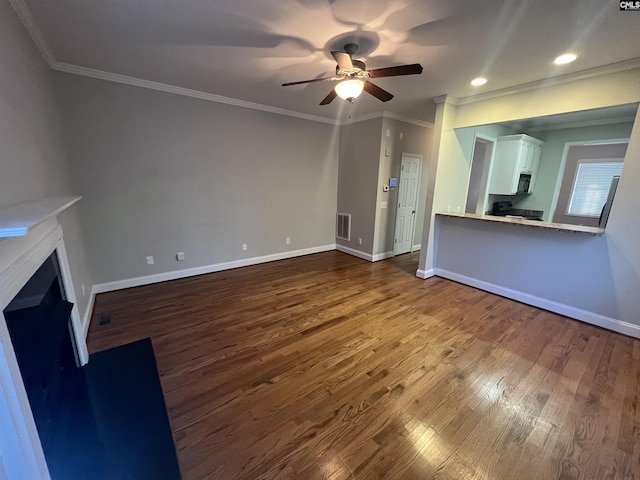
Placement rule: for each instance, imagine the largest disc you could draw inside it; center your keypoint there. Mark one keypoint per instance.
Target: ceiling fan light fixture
(349, 89)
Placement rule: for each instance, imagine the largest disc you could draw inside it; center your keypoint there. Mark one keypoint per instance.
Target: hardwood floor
(330, 367)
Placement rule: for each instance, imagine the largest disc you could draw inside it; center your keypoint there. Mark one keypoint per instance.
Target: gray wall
(358, 180)
(163, 173)
(33, 163)
(417, 140)
(567, 268)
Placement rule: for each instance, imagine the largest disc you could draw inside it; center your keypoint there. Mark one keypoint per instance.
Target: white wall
(597, 275)
(162, 173)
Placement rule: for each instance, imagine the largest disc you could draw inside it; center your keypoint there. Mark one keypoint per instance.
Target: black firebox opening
(38, 323)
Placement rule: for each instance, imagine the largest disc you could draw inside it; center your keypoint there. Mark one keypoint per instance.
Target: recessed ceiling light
(565, 58)
(476, 82)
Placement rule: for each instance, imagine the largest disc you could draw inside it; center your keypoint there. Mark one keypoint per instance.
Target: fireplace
(38, 321)
(29, 235)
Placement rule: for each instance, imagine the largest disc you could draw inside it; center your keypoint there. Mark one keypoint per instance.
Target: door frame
(415, 216)
(486, 139)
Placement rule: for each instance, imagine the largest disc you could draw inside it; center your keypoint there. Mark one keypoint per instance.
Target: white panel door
(407, 203)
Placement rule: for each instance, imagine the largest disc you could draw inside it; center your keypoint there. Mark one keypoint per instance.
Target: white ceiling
(244, 49)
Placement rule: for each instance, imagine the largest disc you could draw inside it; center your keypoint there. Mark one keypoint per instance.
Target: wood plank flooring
(330, 367)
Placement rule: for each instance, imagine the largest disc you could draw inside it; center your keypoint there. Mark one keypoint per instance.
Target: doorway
(481, 159)
(407, 203)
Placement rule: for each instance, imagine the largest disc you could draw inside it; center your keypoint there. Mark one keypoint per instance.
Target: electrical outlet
(287, 240)
(150, 260)
(244, 246)
(180, 256)
(359, 240)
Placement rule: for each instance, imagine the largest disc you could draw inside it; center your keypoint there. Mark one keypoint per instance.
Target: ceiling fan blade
(413, 69)
(329, 98)
(326, 79)
(377, 92)
(343, 59)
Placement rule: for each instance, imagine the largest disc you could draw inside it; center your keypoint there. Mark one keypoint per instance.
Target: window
(586, 181)
(591, 187)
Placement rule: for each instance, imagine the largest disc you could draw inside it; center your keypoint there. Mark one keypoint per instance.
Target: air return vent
(343, 230)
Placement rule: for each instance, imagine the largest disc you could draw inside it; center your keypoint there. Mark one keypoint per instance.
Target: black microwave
(524, 183)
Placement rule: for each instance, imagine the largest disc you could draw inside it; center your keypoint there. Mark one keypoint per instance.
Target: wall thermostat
(393, 182)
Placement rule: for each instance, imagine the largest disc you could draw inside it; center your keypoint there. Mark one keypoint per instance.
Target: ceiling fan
(353, 74)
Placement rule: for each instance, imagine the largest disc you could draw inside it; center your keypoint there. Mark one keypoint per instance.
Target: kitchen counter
(561, 227)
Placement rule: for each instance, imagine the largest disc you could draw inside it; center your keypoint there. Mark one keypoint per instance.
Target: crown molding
(386, 114)
(513, 124)
(187, 92)
(548, 82)
(24, 14)
(361, 118)
(405, 119)
(446, 98)
(586, 123)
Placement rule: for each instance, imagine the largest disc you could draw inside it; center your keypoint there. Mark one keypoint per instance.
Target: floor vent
(343, 229)
(105, 319)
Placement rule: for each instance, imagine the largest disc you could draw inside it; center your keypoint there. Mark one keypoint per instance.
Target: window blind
(591, 187)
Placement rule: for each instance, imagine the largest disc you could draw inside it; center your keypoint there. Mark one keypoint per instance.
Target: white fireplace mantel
(17, 220)
(29, 234)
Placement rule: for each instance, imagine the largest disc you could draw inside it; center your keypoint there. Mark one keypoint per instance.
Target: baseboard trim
(86, 318)
(363, 255)
(556, 307)
(424, 274)
(382, 256)
(417, 247)
(356, 253)
(190, 272)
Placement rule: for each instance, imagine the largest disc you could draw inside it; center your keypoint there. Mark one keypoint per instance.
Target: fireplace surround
(29, 234)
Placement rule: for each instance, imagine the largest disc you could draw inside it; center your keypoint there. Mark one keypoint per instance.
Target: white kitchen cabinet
(515, 155)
